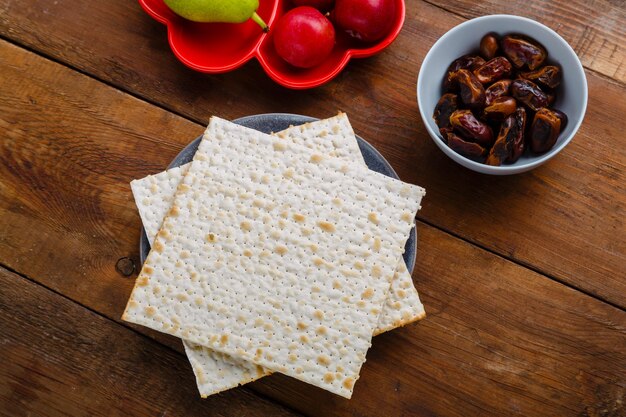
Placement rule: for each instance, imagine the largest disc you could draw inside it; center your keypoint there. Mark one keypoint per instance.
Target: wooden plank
(595, 29)
(499, 339)
(564, 219)
(59, 359)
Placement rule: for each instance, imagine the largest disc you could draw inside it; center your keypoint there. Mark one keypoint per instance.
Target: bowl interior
(212, 47)
(465, 38)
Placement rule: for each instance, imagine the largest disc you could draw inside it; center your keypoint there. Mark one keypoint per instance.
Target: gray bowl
(275, 122)
(464, 39)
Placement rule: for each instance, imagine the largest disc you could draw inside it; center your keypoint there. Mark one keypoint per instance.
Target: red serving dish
(220, 47)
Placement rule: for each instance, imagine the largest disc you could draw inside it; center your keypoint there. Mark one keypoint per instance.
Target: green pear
(223, 11)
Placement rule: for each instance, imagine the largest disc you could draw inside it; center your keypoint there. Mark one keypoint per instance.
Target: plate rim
(143, 238)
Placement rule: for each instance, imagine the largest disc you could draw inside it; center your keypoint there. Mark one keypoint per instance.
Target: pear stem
(255, 17)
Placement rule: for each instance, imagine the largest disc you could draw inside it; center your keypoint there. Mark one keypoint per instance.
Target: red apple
(367, 20)
(304, 37)
(321, 5)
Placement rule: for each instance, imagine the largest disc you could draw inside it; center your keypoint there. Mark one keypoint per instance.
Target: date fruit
(510, 94)
(469, 149)
(489, 46)
(519, 142)
(447, 104)
(471, 90)
(493, 70)
(468, 62)
(464, 122)
(521, 51)
(544, 131)
(510, 142)
(562, 116)
(501, 149)
(497, 89)
(500, 108)
(529, 93)
(548, 76)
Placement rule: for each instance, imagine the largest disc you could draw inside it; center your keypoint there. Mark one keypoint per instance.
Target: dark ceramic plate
(275, 122)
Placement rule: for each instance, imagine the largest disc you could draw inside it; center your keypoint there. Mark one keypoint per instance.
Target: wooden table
(523, 277)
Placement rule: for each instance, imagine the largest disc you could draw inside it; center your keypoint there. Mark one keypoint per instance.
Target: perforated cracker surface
(282, 239)
(216, 372)
(154, 196)
(403, 305)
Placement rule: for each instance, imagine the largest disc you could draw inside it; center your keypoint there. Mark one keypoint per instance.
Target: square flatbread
(276, 255)
(154, 194)
(216, 372)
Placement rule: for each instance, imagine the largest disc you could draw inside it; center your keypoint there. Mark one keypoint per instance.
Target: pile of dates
(497, 104)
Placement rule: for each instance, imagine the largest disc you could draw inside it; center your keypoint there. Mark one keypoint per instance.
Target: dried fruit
(464, 122)
(529, 93)
(519, 143)
(562, 116)
(544, 131)
(468, 62)
(489, 46)
(497, 89)
(469, 149)
(502, 93)
(523, 51)
(548, 76)
(444, 132)
(510, 142)
(493, 70)
(471, 90)
(446, 105)
(500, 108)
(501, 149)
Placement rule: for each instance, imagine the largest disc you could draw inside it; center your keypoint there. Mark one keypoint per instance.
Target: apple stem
(255, 17)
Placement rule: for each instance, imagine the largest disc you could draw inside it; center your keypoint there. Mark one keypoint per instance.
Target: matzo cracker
(325, 226)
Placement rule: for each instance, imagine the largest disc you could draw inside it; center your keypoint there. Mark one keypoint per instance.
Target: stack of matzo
(275, 253)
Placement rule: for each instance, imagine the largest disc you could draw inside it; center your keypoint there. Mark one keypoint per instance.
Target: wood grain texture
(59, 359)
(566, 219)
(499, 339)
(596, 29)
(69, 150)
